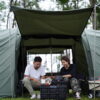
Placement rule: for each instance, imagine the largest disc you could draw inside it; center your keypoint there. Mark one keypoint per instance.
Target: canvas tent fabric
(91, 42)
(46, 45)
(44, 30)
(9, 48)
(51, 23)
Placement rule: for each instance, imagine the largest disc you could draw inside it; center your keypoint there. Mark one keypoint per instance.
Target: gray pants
(30, 84)
(74, 83)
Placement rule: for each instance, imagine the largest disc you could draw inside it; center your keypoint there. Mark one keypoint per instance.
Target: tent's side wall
(79, 58)
(91, 41)
(8, 47)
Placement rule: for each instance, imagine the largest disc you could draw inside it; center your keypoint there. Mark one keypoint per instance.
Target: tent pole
(22, 63)
(94, 62)
(50, 42)
(51, 61)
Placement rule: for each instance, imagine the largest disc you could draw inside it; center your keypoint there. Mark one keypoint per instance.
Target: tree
(29, 4)
(77, 4)
(98, 16)
(71, 4)
(2, 14)
(2, 5)
(92, 4)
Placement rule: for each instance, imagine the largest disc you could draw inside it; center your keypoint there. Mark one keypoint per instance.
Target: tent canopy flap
(51, 23)
(51, 28)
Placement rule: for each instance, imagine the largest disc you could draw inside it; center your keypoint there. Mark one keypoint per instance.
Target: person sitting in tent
(33, 73)
(68, 72)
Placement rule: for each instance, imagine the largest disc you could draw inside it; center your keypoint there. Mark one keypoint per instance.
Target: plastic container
(53, 92)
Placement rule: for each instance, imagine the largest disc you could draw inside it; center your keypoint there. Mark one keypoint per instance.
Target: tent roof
(56, 29)
(51, 23)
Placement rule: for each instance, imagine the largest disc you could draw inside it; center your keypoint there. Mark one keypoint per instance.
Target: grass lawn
(27, 98)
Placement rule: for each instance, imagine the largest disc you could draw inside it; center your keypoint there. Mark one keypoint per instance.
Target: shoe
(38, 96)
(77, 96)
(90, 96)
(33, 96)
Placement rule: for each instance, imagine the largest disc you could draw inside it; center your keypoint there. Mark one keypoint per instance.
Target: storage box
(58, 92)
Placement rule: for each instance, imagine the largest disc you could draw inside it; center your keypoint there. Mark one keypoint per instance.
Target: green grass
(27, 98)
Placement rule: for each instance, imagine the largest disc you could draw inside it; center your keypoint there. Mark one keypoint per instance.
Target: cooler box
(57, 92)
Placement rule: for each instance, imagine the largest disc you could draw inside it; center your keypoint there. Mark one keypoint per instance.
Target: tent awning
(39, 24)
(44, 29)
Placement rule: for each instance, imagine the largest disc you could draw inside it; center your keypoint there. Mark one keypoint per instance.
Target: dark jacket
(71, 70)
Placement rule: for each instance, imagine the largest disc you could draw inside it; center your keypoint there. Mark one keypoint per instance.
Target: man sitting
(33, 74)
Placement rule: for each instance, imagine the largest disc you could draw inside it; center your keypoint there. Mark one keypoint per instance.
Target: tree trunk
(92, 3)
(11, 1)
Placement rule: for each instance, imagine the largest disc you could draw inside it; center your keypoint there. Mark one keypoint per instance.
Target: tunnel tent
(9, 50)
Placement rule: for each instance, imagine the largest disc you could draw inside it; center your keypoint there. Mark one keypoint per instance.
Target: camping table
(94, 85)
